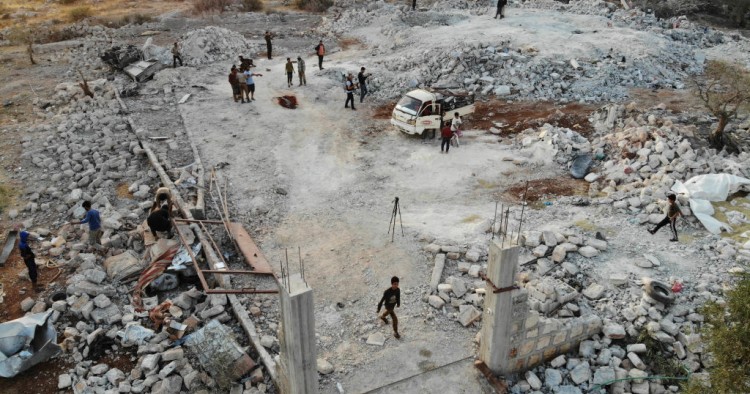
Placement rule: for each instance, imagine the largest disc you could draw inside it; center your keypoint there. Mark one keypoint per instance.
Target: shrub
(204, 6)
(79, 13)
(724, 90)
(727, 334)
(252, 5)
(313, 5)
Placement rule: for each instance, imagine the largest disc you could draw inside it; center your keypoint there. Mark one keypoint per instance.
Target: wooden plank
(250, 250)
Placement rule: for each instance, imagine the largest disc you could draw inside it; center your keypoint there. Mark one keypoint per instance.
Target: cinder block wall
(535, 339)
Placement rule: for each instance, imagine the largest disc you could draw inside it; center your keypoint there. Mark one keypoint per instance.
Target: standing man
(501, 8)
(28, 256)
(269, 47)
(289, 72)
(349, 91)
(242, 81)
(250, 83)
(392, 299)
(446, 134)
(456, 123)
(176, 56)
(301, 71)
(320, 49)
(95, 224)
(362, 78)
(234, 82)
(673, 211)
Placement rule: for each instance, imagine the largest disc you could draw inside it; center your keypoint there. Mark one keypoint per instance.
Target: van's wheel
(660, 292)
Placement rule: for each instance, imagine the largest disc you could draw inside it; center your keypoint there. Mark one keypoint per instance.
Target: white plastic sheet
(702, 189)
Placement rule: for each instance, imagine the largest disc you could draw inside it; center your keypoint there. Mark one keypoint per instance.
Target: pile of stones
(211, 44)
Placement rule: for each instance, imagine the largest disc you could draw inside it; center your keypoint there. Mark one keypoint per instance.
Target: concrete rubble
(638, 154)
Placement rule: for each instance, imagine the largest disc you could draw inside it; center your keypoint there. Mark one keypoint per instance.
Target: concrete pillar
(497, 321)
(298, 369)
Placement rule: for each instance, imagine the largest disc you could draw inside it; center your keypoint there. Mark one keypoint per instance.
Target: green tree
(725, 90)
(727, 333)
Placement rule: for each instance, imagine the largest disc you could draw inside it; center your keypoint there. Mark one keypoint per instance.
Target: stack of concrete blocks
(513, 338)
(535, 339)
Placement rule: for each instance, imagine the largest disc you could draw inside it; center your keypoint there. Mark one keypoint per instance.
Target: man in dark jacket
(158, 221)
(501, 8)
(362, 78)
(391, 299)
(673, 212)
(269, 47)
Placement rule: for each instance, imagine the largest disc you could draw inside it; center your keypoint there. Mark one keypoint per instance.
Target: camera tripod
(392, 222)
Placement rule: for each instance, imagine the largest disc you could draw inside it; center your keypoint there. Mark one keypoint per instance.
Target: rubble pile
(640, 327)
(212, 44)
(503, 68)
(89, 153)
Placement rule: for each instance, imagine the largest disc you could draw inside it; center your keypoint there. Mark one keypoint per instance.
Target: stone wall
(535, 339)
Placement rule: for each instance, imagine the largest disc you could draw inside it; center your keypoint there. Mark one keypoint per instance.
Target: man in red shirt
(446, 133)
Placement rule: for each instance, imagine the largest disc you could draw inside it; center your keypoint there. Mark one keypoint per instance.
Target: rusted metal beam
(192, 257)
(240, 291)
(253, 256)
(499, 386)
(234, 272)
(198, 221)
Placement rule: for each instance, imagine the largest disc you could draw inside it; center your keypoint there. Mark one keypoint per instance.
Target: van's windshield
(410, 105)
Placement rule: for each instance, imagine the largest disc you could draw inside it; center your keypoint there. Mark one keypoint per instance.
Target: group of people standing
(241, 79)
(350, 86)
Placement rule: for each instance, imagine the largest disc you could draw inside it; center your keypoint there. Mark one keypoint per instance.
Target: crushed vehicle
(130, 60)
(421, 110)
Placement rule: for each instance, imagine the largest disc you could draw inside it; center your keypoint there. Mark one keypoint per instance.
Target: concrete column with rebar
(497, 323)
(298, 371)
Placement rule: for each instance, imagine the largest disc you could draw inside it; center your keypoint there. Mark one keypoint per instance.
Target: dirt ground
(340, 171)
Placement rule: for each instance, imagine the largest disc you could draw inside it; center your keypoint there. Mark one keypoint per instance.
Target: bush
(67, 2)
(252, 5)
(204, 6)
(79, 13)
(135, 19)
(313, 5)
(727, 334)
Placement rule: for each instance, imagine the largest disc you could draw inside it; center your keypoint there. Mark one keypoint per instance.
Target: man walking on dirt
(269, 47)
(349, 92)
(320, 49)
(234, 82)
(95, 225)
(289, 72)
(673, 211)
(391, 299)
(176, 56)
(501, 8)
(301, 71)
(28, 256)
(362, 78)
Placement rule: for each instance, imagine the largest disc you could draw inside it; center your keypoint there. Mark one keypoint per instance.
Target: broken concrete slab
(376, 338)
(218, 352)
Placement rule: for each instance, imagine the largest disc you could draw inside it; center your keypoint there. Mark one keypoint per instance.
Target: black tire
(58, 296)
(660, 292)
